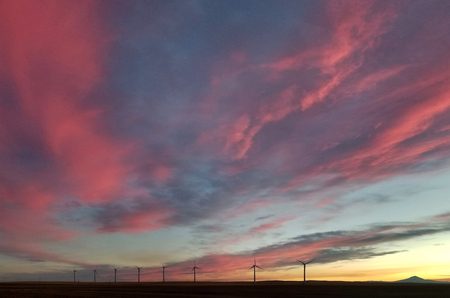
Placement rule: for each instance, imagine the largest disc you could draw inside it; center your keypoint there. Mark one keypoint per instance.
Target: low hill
(416, 279)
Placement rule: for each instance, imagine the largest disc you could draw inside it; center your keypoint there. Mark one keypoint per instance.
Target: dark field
(184, 290)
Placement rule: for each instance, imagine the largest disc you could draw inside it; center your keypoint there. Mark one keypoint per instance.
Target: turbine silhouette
(74, 271)
(193, 269)
(163, 268)
(139, 273)
(254, 269)
(304, 269)
(95, 274)
(115, 274)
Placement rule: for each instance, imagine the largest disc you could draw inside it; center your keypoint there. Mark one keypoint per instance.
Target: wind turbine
(115, 274)
(254, 270)
(139, 273)
(304, 269)
(163, 268)
(74, 271)
(193, 269)
(95, 274)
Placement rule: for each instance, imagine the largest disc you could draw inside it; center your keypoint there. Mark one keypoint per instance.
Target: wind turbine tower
(254, 270)
(74, 271)
(304, 269)
(164, 268)
(193, 269)
(115, 274)
(95, 274)
(139, 273)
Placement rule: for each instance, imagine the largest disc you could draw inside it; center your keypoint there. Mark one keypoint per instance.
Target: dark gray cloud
(345, 254)
(360, 241)
(210, 228)
(392, 237)
(331, 255)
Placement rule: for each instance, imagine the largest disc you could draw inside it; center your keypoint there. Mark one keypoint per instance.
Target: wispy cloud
(271, 225)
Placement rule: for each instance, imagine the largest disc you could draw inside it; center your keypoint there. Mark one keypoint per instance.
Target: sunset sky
(139, 132)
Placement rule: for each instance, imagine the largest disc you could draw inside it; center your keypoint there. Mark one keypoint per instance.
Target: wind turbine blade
(258, 267)
(310, 261)
(198, 268)
(251, 267)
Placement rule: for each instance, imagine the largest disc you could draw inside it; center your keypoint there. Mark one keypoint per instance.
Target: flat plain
(222, 290)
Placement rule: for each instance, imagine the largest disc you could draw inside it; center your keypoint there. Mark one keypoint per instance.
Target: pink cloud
(34, 252)
(443, 216)
(327, 202)
(69, 42)
(271, 225)
(248, 208)
(385, 149)
(26, 221)
(28, 214)
(228, 68)
(162, 173)
(333, 58)
(152, 216)
(336, 60)
(237, 139)
(410, 136)
(252, 233)
(370, 81)
(54, 52)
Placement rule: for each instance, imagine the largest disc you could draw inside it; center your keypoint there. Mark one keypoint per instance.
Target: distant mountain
(416, 279)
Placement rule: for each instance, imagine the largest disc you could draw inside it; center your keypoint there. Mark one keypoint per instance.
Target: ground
(222, 290)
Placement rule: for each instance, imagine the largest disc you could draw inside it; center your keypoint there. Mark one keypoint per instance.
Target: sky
(135, 133)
